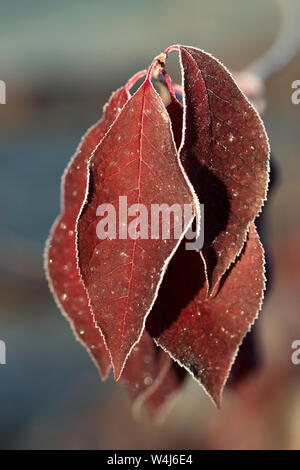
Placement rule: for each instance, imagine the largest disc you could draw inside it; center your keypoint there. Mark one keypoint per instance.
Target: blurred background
(60, 61)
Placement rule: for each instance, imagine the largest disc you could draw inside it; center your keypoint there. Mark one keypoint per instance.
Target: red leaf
(60, 254)
(204, 333)
(137, 159)
(159, 399)
(225, 155)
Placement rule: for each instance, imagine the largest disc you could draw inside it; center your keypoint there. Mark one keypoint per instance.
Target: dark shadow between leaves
(211, 192)
(182, 281)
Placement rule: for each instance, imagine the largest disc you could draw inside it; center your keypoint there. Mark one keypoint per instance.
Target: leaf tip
(118, 365)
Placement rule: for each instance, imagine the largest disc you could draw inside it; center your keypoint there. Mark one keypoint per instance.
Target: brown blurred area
(60, 62)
